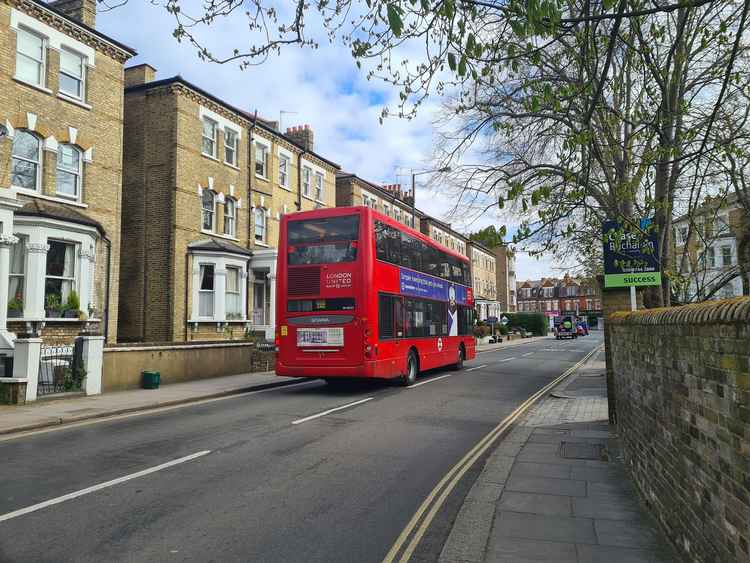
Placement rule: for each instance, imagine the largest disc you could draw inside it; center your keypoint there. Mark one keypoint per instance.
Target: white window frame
(19, 246)
(39, 159)
(230, 219)
(260, 212)
(212, 211)
(72, 279)
(78, 174)
(724, 256)
(238, 294)
(284, 166)
(265, 151)
(81, 79)
(42, 63)
(306, 181)
(201, 291)
(234, 147)
(213, 140)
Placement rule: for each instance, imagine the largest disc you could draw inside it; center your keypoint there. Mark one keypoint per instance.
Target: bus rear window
(323, 241)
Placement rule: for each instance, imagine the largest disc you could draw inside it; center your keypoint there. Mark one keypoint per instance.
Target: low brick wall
(682, 385)
(123, 364)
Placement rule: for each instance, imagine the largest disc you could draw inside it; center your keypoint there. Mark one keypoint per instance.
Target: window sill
(32, 193)
(264, 178)
(286, 188)
(263, 244)
(74, 101)
(210, 157)
(227, 237)
(34, 86)
(232, 166)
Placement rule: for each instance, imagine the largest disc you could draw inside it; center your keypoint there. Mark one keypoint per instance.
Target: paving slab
(532, 503)
(518, 550)
(545, 485)
(542, 527)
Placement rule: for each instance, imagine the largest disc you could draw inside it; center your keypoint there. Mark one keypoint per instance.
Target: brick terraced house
(484, 278)
(61, 124)
(389, 199)
(205, 187)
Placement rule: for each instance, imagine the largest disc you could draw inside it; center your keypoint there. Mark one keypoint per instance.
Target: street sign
(505, 320)
(631, 256)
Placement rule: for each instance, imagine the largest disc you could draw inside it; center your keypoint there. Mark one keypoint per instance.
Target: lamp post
(414, 175)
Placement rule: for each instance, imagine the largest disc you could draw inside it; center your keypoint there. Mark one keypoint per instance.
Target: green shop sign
(631, 255)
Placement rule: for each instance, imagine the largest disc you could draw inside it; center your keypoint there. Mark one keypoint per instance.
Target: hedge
(532, 322)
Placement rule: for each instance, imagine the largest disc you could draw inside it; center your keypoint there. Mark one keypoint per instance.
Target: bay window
(16, 275)
(206, 291)
(59, 279)
(68, 171)
(233, 296)
(30, 57)
(26, 161)
(72, 74)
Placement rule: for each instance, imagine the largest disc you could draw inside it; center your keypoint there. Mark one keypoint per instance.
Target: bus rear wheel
(459, 365)
(412, 368)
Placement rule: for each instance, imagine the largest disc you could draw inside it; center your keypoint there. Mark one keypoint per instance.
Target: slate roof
(61, 212)
(219, 245)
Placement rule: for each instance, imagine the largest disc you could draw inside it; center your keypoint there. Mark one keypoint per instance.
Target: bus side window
(398, 316)
(385, 316)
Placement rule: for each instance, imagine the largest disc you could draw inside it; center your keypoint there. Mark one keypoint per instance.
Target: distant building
(484, 278)
(555, 297)
(506, 278)
(707, 250)
(388, 199)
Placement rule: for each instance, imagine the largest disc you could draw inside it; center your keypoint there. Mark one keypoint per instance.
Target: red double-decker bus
(361, 295)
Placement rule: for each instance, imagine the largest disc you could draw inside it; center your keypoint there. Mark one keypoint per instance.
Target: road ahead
(281, 482)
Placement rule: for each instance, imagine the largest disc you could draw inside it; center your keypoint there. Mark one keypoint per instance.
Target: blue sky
(324, 88)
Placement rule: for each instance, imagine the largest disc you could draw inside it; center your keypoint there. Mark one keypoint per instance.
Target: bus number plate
(320, 337)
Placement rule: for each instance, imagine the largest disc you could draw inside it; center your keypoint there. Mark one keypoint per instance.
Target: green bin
(151, 379)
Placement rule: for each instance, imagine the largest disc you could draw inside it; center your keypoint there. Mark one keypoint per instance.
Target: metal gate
(60, 369)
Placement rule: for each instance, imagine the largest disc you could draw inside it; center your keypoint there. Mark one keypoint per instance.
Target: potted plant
(72, 306)
(15, 307)
(53, 306)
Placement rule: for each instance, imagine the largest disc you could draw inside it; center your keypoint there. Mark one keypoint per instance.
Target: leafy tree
(582, 110)
(489, 236)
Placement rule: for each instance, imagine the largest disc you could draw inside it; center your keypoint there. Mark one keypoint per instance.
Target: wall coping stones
(736, 310)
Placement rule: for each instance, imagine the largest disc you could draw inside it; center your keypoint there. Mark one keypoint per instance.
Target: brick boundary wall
(178, 362)
(682, 386)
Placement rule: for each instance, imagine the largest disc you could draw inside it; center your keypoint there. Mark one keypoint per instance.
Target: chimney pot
(83, 11)
(302, 135)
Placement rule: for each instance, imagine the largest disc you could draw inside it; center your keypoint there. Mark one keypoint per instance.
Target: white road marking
(431, 380)
(506, 360)
(147, 411)
(329, 411)
(527, 354)
(477, 367)
(100, 486)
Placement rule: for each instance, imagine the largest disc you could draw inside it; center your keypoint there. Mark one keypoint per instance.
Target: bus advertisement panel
(360, 295)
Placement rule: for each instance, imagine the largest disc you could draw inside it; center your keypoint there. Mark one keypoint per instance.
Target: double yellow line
(420, 522)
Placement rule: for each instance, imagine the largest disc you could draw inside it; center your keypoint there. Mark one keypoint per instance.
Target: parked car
(566, 328)
(582, 329)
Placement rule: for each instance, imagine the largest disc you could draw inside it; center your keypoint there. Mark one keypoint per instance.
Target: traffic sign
(631, 256)
(505, 320)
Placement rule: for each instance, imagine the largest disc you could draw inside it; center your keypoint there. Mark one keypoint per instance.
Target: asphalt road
(276, 485)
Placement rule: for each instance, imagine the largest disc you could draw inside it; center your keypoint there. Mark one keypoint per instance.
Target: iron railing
(60, 369)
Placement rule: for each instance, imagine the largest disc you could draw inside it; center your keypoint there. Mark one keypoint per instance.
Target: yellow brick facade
(168, 173)
(351, 190)
(93, 126)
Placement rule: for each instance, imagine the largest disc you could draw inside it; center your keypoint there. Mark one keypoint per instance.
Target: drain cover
(578, 450)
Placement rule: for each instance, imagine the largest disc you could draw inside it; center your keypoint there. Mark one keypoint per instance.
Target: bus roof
(339, 211)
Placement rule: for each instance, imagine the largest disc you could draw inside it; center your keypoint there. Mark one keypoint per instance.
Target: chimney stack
(302, 135)
(139, 74)
(83, 11)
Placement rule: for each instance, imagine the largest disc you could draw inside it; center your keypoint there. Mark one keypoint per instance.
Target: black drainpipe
(299, 179)
(106, 287)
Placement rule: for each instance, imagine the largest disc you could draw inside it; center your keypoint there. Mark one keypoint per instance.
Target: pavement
(299, 473)
(65, 409)
(556, 489)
